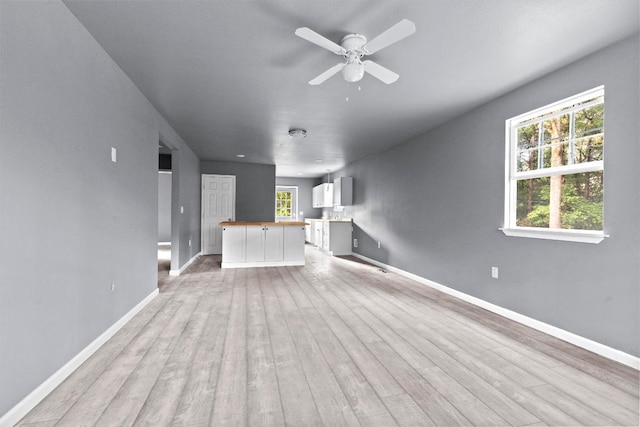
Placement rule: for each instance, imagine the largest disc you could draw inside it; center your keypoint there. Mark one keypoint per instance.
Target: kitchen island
(262, 244)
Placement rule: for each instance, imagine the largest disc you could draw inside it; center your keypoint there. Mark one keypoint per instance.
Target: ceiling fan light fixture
(353, 72)
(297, 133)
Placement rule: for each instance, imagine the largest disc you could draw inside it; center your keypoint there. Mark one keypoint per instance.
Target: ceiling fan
(353, 47)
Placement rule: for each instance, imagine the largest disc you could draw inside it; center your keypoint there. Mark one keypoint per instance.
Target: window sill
(580, 236)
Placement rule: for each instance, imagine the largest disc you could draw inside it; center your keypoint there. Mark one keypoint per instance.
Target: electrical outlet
(378, 245)
(114, 154)
(355, 243)
(113, 285)
(494, 272)
(181, 209)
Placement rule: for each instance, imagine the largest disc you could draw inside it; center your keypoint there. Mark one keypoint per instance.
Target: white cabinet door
(326, 236)
(322, 195)
(317, 196)
(233, 244)
(294, 243)
(317, 233)
(327, 196)
(343, 191)
(273, 242)
(308, 234)
(340, 238)
(255, 243)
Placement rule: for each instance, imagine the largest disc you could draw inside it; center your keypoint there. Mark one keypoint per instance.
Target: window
(555, 170)
(286, 203)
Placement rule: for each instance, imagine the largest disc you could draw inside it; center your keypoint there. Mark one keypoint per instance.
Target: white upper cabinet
(343, 191)
(323, 195)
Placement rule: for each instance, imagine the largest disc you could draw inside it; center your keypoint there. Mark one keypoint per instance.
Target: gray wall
(164, 207)
(71, 221)
(185, 198)
(255, 188)
(305, 195)
(436, 202)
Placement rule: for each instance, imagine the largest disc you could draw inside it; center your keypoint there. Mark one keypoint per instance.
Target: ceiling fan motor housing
(353, 43)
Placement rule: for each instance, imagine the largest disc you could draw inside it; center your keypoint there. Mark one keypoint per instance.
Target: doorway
(218, 204)
(165, 187)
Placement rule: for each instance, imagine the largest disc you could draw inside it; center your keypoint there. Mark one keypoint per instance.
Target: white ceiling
(231, 76)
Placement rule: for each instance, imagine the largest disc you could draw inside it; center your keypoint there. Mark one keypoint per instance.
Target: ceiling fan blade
(317, 39)
(330, 72)
(394, 34)
(378, 71)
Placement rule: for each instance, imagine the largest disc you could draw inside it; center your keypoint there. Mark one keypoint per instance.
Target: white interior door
(218, 204)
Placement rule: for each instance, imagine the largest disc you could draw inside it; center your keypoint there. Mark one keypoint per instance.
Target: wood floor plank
(230, 404)
(613, 373)
(607, 407)
(439, 410)
(161, 404)
(510, 370)
(196, 402)
(314, 314)
(298, 405)
(363, 400)
(332, 405)
(380, 379)
(335, 342)
(153, 344)
(434, 316)
(576, 409)
(469, 405)
(365, 403)
(407, 351)
(599, 387)
(263, 400)
(510, 410)
(405, 410)
(144, 394)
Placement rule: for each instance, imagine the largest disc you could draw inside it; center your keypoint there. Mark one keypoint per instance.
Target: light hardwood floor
(337, 342)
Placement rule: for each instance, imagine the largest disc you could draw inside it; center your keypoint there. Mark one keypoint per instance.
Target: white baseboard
(261, 264)
(586, 343)
(184, 267)
(23, 407)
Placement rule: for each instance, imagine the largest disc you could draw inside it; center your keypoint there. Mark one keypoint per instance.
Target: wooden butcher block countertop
(271, 223)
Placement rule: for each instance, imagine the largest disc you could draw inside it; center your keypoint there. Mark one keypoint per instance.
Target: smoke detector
(297, 133)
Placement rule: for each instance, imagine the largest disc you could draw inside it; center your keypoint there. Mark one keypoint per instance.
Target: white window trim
(511, 177)
(581, 236)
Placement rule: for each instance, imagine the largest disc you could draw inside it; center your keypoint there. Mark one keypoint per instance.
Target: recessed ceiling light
(318, 160)
(300, 173)
(297, 133)
(240, 155)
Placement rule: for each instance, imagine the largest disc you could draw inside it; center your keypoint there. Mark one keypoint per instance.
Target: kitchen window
(554, 185)
(286, 203)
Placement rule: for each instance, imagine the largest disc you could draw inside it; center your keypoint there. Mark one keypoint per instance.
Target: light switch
(181, 209)
(113, 154)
